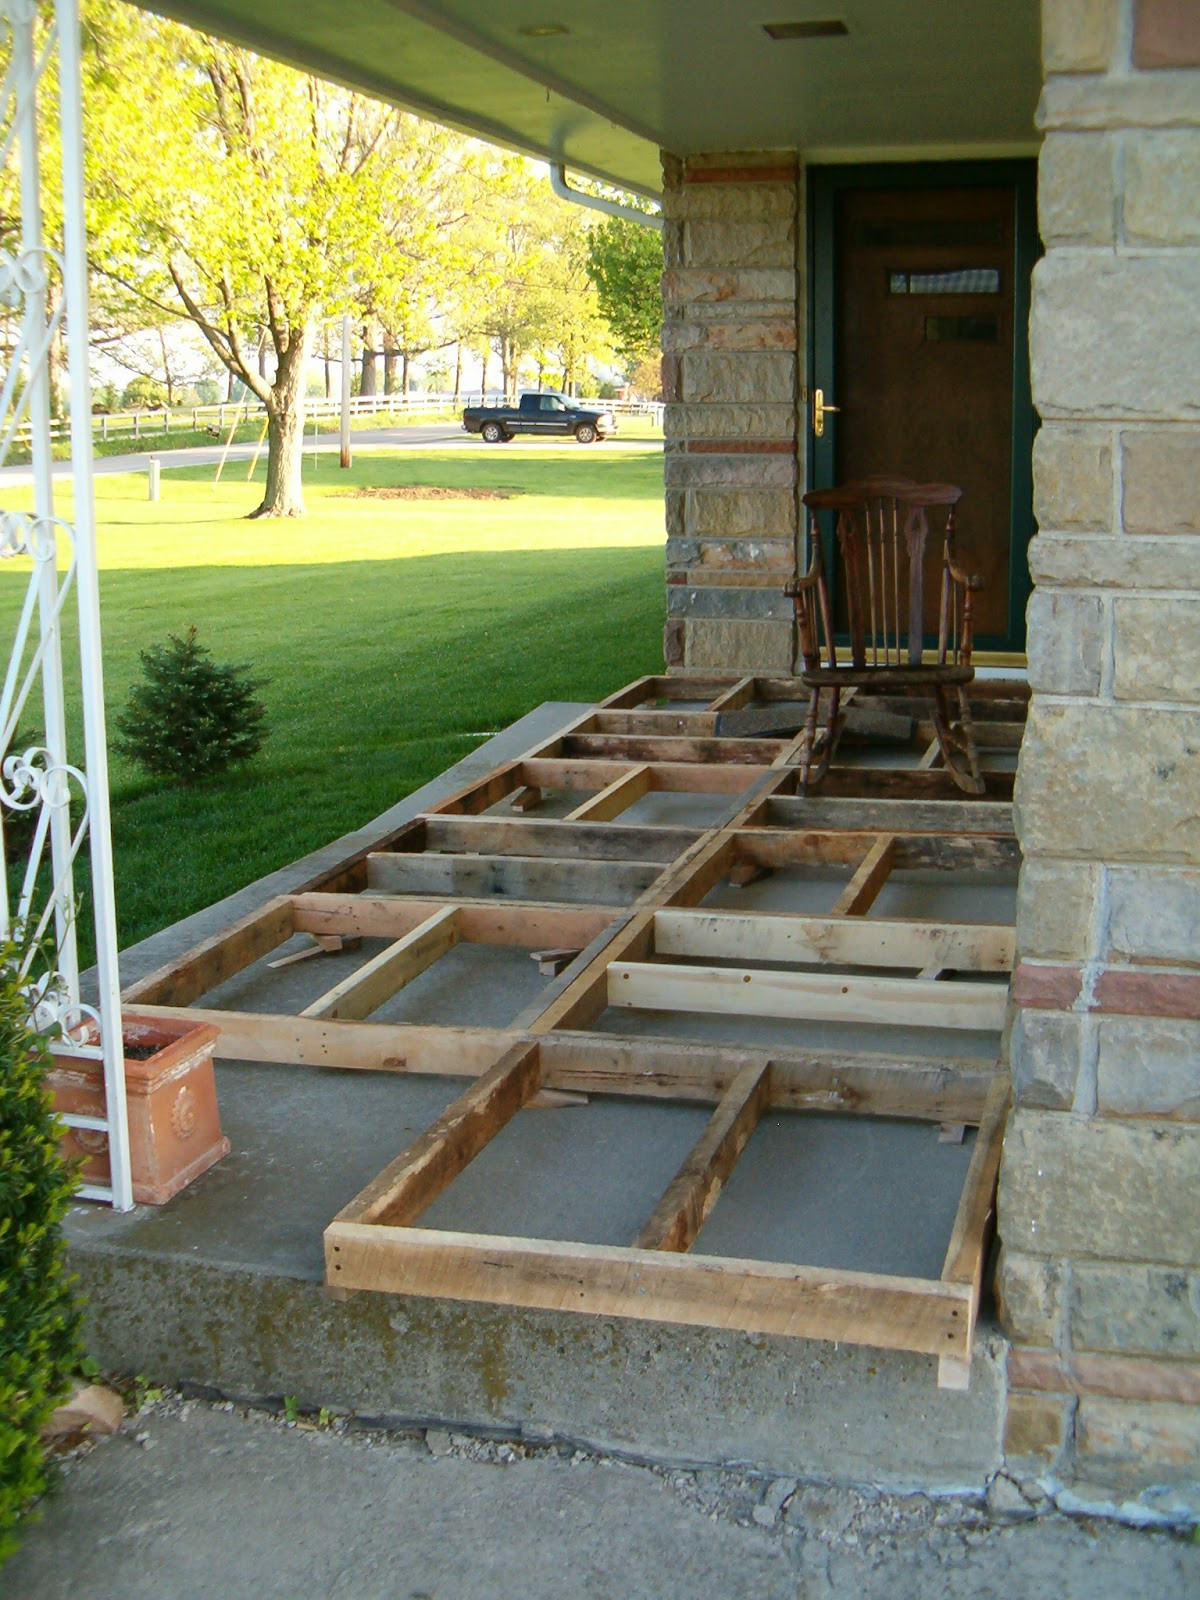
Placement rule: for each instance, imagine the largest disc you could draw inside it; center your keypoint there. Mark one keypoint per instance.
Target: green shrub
(39, 1314)
(191, 718)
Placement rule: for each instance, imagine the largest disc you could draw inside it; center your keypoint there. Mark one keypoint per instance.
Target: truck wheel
(586, 433)
(492, 432)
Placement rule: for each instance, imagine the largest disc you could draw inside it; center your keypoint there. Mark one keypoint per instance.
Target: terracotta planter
(171, 1095)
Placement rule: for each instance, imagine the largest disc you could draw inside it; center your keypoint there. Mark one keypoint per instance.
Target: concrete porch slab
(223, 1286)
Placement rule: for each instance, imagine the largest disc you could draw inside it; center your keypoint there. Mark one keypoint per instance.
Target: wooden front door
(920, 319)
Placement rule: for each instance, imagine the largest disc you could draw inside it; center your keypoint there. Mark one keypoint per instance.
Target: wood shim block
(527, 799)
(951, 1132)
(696, 1187)
(891, 1313)
(364, 991)
(811, 996)
(324, 944)
(750, 936)
(551, 962)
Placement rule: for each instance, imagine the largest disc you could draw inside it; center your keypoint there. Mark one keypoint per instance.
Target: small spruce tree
(39, 1311)
(191, 718)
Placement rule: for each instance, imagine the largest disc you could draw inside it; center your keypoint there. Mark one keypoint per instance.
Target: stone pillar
(1099, 1217)
(731, 294)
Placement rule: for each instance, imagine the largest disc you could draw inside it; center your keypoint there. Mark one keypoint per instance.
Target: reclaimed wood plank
(601, 841)
(872, 872)
(836, 941)
(520, 877)
(891, 1313)
(618, 796)
(419, 1174)
(693, 1192)
(213, 960)
(360, 993)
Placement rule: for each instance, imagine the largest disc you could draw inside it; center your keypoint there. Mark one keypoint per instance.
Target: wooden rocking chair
(883, 527)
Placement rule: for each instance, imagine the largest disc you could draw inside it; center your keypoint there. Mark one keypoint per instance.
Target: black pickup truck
(546, 413)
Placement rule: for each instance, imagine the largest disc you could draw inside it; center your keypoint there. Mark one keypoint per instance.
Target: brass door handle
(819, 409)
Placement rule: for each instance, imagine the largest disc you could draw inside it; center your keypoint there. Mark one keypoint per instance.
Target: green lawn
(394, 633)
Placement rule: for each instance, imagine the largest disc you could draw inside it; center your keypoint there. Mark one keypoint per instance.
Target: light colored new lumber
(836, 941)
(527, 799)
(521, 877)
(522, 925)
(929, 756)
(811, 996)
(355, 1046)
(620, 794)
(890, 1313)
(696, 1187)
(431, 1163)
(377, 980)
(209, 963)
(857, 898)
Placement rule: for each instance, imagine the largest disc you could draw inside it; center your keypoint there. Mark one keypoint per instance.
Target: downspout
(596, 202)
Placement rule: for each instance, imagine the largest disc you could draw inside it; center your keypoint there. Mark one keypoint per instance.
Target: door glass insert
(959, 280)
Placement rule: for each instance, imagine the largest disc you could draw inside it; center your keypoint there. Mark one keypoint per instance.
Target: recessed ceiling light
(543, 30)
(826, 28)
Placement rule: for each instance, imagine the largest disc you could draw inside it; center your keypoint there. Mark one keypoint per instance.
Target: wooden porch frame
(627, 896)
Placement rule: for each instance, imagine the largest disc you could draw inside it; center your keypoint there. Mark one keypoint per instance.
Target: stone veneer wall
(732, 294)
(1099, 1214)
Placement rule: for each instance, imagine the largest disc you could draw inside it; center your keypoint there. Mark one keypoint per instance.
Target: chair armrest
(972, 581)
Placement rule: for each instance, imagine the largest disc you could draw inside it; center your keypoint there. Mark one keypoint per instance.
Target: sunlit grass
(392, 633)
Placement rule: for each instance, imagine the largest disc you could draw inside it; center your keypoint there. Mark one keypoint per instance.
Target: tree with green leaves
(625, 261)
(255, 214)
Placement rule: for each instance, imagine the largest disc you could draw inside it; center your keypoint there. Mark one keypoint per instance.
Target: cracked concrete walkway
(192, 1500)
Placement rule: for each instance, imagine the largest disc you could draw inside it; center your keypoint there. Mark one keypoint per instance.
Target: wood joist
(560, 851)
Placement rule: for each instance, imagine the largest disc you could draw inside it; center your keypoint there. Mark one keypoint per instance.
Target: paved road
(193, 1501)
(443, 435)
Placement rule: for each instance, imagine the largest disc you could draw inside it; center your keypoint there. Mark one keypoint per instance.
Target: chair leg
(956, 738)
(817, 749)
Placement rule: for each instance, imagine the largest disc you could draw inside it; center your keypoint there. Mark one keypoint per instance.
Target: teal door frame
(825, 184)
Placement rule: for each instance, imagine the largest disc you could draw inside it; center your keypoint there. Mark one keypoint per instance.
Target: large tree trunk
(283, 496)
(389, 370)
(404, 371)
(370, 363)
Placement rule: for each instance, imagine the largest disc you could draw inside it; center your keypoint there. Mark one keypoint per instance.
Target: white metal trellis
(39, 781)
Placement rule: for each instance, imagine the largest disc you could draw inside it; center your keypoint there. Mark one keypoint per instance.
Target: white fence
(219, 419)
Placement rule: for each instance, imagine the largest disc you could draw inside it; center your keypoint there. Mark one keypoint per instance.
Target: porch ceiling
(625, 78)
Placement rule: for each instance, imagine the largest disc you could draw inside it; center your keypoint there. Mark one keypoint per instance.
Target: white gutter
(596, 202)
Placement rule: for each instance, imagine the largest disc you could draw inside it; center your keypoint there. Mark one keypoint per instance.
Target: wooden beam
(696, 1187)
(520, 877)
(741, 694)
(890, 1313)
(790, 847)
(377, 980)
(835, 941)
(910, 783)
(601, 841)
(857, 898)
(970, 1235)
(521, 925)
(437, 1051)
(620, 794)
(928, 1089)
(675, 777)
(667, 747)
(214, 960)
(431, 1163)
(805, 996)
(884, 815)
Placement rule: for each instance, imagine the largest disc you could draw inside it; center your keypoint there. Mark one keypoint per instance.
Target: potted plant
(171, 1099)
